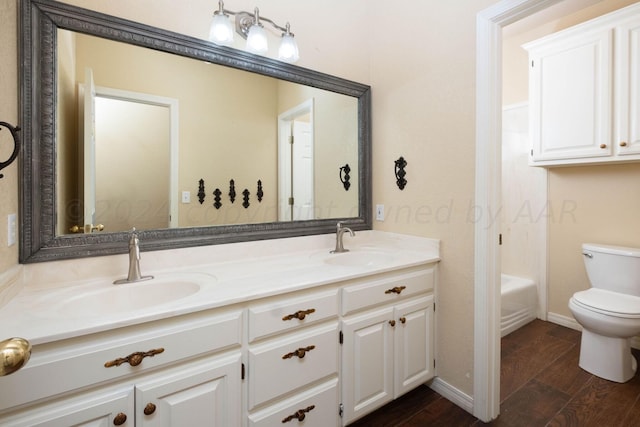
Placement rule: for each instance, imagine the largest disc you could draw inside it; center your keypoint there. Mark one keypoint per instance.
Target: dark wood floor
(541, 385)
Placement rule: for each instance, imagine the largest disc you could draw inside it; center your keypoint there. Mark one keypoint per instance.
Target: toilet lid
(609, 302)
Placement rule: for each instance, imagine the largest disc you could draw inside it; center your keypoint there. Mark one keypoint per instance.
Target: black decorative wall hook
(16, 145)
(216, 199)
(232, 191)
(260, 193)
(201, 192)
(245, 199)
(344, 178)
(401, 163)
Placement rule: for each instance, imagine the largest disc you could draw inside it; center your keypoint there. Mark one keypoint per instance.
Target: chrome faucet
(134, 262)
(340, 229)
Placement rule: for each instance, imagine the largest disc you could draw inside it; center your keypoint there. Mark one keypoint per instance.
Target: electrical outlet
(380, 212)
(12, 229)
(186, 197)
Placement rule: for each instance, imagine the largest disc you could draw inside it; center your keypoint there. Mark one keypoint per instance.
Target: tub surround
(238, 272)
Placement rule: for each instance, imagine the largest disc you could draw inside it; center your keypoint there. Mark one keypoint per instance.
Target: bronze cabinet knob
(119, 419)
(149, 409)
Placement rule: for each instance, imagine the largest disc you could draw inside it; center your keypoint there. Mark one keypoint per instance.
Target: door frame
(487, 304)
(285, 121)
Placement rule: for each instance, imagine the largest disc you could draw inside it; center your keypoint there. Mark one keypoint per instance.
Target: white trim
(489, 23)
(173, 105)
(562, 320)
(452, 394)
(284, 153)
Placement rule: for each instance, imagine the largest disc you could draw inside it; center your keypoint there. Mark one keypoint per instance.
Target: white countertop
(227, 274)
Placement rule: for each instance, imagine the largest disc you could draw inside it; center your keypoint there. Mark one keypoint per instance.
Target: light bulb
(257, 40)
(221, 31)
(288, 51)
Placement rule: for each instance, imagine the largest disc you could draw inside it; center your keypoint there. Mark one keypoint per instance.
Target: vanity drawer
(319, 406)
(391, 289)
(276, 369)
(80, 362)
(287, 314)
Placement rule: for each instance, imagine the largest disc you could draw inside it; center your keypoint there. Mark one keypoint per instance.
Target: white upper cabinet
(628, 86)
(584, 92)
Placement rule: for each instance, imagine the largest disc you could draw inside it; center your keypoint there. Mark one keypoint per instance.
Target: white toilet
(609, 311)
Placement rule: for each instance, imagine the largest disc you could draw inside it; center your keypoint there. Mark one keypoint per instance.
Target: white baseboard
(562, 320)
(452, 394)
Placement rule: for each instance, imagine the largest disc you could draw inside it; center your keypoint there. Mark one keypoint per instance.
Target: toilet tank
(615, 268)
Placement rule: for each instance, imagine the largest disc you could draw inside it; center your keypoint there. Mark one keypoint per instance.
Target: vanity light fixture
(249, 26)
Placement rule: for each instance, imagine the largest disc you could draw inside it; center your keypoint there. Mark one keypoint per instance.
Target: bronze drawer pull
(403, 320)
(395, 290)
(119, 419)
(300, 314)
(392, 323)
(299, 415)
(300, 353)
(134, 359)
(149, 409)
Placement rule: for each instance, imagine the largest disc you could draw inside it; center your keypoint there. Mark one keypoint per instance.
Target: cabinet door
(367, 363)
(413, 344)
(570, 91)
(105, 408)
(205, 393)
(628, 87)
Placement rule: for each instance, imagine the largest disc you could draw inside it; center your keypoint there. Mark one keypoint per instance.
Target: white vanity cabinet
(177, 371)
(293, 356)
(317, 345)
(387, 339)
(584, 93)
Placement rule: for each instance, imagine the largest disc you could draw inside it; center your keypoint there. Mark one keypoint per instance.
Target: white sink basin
(360, 258)
(104, 298)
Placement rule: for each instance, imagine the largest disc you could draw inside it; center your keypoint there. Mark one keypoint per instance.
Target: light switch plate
(380, 212)
(186, 197)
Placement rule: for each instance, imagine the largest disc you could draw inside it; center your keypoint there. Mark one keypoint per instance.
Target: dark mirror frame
(39, 21)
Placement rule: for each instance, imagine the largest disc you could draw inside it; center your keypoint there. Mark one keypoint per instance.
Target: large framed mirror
(127, 125)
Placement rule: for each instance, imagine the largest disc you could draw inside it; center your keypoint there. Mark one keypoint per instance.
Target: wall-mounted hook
(401, 163)
(16, 145)
(232, 191)
(345, 177)
(245, 202)
(201, 192)
(259, 193)
(216, 199)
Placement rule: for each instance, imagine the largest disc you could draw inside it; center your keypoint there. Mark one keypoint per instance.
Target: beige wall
(423, 77)
(587, 203)
(9, 114)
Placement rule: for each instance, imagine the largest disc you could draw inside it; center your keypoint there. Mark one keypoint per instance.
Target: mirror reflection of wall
(227, 130)
(132, 165)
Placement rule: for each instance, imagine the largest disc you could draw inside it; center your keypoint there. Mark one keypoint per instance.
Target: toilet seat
(609, 303)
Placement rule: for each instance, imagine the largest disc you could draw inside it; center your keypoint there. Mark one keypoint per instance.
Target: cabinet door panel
(201, 394)
(272, 374)
(628, 87)
(367, 364)
(319, 406)
(571, 97)
(90, 410)
(413, 344)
